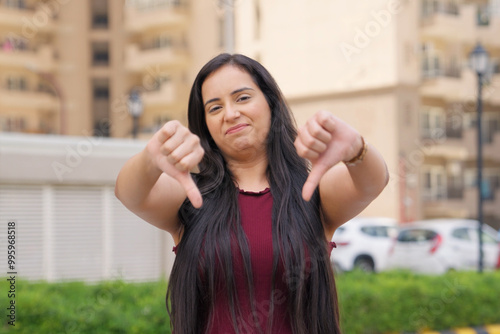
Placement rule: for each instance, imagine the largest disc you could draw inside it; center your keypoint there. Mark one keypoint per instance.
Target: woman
(252, 226)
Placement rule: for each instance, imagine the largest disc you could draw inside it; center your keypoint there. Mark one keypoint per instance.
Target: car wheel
(364, 263)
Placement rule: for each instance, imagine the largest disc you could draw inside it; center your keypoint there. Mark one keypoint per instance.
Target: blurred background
(84, 84)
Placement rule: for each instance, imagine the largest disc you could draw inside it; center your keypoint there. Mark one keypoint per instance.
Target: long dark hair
(211, 233)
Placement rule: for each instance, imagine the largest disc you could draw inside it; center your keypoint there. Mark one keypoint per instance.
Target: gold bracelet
(360, 156)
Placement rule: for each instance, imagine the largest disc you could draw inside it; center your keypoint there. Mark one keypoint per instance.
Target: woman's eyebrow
(232, 93)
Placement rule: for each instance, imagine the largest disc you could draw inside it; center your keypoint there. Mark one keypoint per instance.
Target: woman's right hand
(175, 151)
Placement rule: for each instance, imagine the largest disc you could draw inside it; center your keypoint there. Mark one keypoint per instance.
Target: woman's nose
(231, 113)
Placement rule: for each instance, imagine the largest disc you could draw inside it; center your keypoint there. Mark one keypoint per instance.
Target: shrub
(390, 302)
(402, 301)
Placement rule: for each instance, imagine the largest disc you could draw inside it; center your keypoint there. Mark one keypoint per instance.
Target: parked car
(363, 243)
(439, 245)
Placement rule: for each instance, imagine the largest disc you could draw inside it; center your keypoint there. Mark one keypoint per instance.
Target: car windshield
(416, 235)
(379, 231)
(470, 234)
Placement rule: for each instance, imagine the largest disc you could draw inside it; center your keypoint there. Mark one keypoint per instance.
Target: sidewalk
(490, 329)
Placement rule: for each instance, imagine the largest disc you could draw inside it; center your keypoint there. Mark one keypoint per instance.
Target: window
(145, 5)
(416, 235)
(430, 61)
(491, 126)
(159, 81)
(100, 54)
(16, 83)
(21, 4)
(99, 14)
(461, 233)
(483, 15)
(434, 182)
(378, 231)
(433, 121)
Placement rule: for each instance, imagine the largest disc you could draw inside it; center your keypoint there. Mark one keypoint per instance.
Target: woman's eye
(213, 109)
(243, 98)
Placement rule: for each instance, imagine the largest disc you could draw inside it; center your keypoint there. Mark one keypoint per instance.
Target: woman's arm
(154, 183)
(345, 191)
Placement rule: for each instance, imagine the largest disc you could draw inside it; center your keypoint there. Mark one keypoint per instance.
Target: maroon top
(256, 220)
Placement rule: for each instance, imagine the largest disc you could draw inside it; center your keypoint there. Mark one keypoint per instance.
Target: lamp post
(479, 62)
(135, 108)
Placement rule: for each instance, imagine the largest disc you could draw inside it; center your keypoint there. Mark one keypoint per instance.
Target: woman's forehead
(226, 78)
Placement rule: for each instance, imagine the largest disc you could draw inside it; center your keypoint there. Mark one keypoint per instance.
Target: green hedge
(402, 301)
(382, 303)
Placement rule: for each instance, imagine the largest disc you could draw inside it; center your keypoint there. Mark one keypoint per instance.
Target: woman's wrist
(360, 156)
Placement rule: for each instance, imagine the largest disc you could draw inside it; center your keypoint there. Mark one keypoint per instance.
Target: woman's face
(236, 111)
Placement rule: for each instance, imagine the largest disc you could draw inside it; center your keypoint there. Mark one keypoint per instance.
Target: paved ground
(491, 329)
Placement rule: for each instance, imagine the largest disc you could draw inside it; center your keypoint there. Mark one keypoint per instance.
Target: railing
(437, 70)
(455, 193)
(430, 8)
(148, 5)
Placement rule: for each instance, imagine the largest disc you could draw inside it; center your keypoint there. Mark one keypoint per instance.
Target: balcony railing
(20, 14)
(455, 193)
(41, 58)
(142, 60)
(431, 8)
(148, 5)
(155, 15)
(438, 71)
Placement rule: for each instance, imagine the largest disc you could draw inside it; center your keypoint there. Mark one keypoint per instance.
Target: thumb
(312, 181)
(192, 191)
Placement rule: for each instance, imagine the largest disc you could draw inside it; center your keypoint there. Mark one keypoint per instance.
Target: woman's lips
(236, 128)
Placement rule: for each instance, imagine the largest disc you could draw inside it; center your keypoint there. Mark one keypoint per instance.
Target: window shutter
(24, 205)
(136, 253)
(77, 233)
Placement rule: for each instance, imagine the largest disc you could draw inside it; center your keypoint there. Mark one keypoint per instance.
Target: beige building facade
(398, 71)
(394, 69)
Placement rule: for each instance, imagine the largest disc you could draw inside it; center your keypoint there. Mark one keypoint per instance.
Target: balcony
(166, 16)
(444, 23)
(491, 148)
(491, 205)
(462, 207)
(464, 147)
(140, 60)
(28, 99)
(164, 96)
(491, 93)
(488, 27)
(26, 20)
(450, 84)
(41, 59)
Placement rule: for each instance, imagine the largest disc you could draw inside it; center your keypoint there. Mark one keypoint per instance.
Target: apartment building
(394, 69)
(449, 31)
(68, 67)
(398, 71)
(28, 99)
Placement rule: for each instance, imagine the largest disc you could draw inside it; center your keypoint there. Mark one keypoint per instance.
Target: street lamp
(479, 60)
(135, 109)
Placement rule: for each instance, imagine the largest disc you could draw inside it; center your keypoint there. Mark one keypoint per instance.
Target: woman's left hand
(325, 140)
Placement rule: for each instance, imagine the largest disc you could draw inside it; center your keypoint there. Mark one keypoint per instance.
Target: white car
(439, 245)
(363, 243)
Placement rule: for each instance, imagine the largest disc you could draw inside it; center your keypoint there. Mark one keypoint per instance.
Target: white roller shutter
(137, 252)
(80, 233)
(24, 204)
(77, 233)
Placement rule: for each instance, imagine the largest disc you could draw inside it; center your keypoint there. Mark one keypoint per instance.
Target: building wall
(327, 46)
(374, 115)
(73, 47)
(70, 226)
